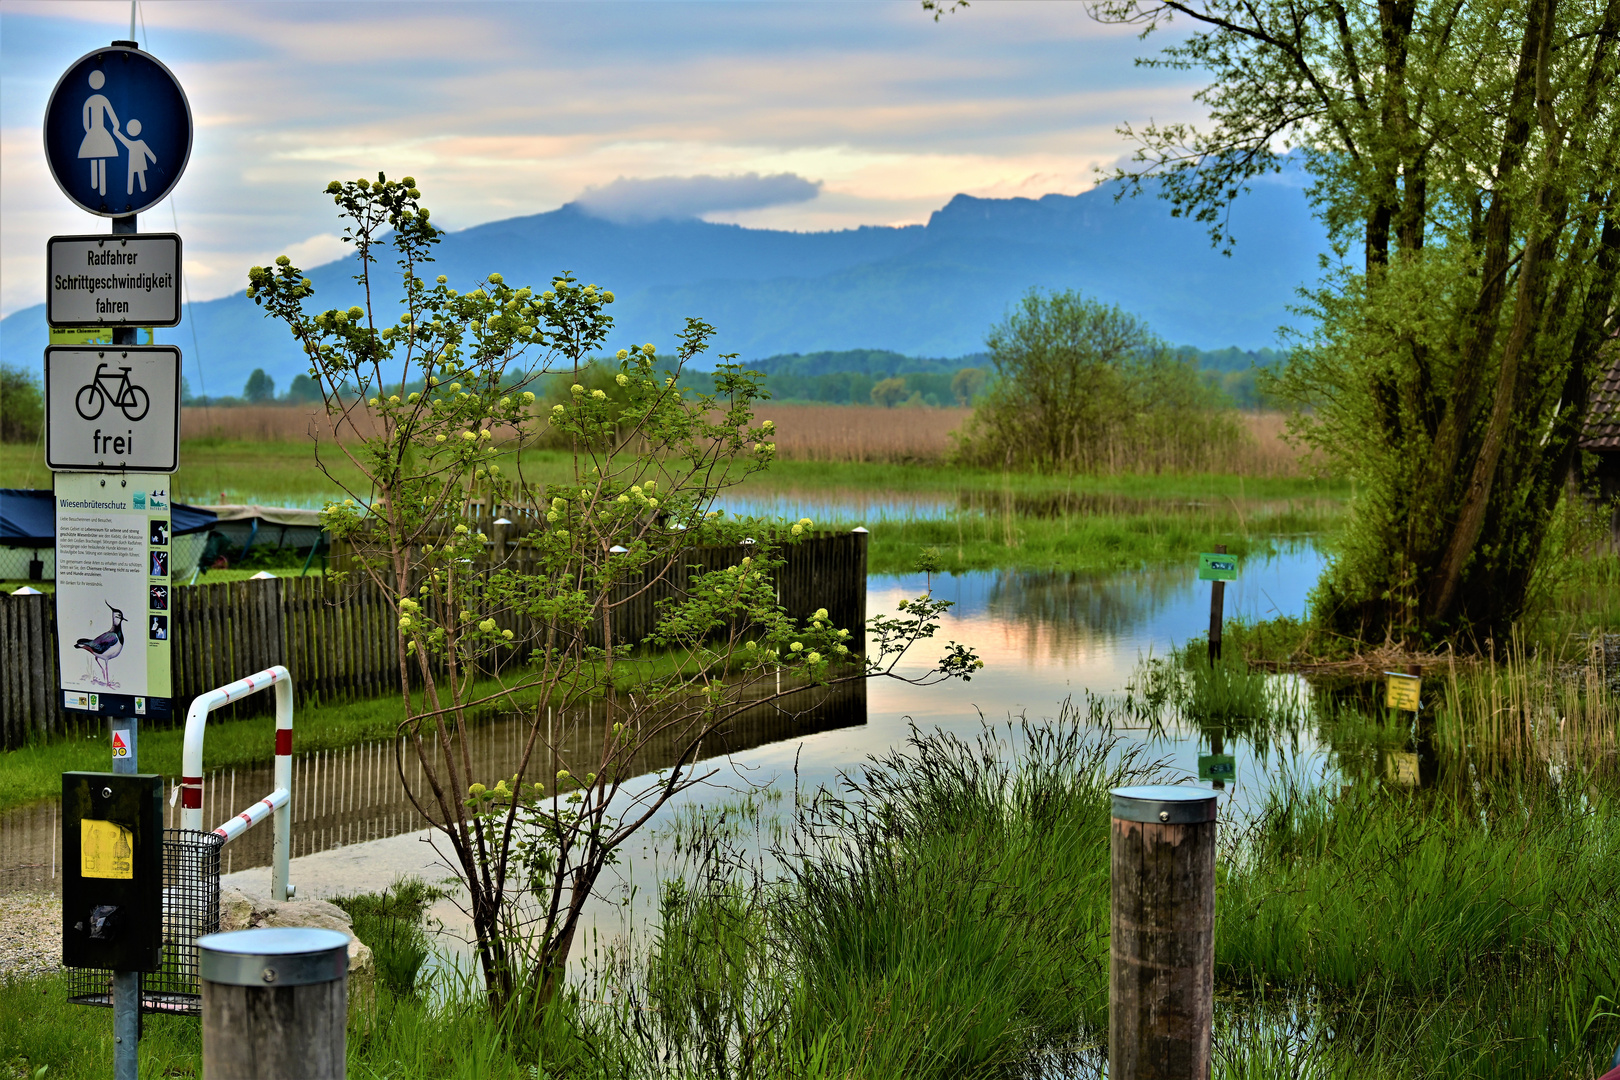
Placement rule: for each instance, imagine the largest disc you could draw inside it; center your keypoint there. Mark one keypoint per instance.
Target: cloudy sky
(799, 115)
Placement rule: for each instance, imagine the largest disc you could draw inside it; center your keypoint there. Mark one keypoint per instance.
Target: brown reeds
(1528, 706)
(921, 434)
(804, 432)
(262, 423)
(863, 433)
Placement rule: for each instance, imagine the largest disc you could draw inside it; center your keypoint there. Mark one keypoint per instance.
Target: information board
(113, 593)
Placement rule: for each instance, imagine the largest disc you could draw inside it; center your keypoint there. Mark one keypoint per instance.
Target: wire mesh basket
(190, 910)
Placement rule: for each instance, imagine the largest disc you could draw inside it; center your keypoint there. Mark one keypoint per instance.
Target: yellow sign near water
(1404, 691)
(106, 850)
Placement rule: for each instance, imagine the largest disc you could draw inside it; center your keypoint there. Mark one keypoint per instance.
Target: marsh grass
(1528, 707)
(391, 923)
(990, 539)
(1439, 935)
(806, 432)
(943, 913)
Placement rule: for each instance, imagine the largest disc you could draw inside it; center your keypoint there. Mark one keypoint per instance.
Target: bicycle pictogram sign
(93, 396)
(113, 410)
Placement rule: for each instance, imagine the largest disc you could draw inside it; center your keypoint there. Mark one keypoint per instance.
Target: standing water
(1044, 637)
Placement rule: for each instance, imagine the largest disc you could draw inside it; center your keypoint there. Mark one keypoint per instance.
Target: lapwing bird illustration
(104, 647)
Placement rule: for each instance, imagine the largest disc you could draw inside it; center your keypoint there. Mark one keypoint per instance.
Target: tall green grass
(1436, 937)
(391, 924)
(1125, 540)
(944, 913)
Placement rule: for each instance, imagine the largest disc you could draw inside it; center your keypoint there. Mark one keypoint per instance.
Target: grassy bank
(951, 920)
(43, 1037)
(34, 772)
(979, 540)
(287, 472)
(974, 519)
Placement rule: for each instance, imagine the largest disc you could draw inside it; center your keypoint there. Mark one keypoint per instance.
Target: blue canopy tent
(28, 533)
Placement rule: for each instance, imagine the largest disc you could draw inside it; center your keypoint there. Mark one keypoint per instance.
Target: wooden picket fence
(338, 639)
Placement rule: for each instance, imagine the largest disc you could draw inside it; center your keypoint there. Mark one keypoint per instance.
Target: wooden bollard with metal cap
(1161, 971)
(274, 1004)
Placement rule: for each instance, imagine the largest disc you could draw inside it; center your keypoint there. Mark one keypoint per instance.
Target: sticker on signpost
(106, 850)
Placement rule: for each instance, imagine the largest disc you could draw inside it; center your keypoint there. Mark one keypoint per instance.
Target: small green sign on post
(1217, 567)
(1217, 767)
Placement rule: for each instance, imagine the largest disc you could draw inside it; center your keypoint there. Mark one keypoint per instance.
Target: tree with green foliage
(889, 392)
(1079, 385)
(22, 408)
(967, 385)
(260, 388)
(530, 848)
(1463, 158)
(303, 390)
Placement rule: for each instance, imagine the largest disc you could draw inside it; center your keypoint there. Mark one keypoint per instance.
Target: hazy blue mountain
(917, 290)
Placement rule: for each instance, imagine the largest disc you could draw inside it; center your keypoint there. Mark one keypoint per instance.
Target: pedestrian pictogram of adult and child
(98, 143)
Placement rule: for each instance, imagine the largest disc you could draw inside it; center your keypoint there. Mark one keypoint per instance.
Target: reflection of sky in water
(1043, 637)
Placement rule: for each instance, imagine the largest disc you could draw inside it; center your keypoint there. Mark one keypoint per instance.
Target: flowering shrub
(448, 384)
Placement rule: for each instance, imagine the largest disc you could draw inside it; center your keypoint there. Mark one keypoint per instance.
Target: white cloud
(504, 109)
(627, 200)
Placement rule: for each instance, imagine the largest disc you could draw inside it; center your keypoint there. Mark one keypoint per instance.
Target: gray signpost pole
(126, 985)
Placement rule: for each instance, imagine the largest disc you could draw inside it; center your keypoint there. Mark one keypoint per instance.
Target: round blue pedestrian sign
(117, 131)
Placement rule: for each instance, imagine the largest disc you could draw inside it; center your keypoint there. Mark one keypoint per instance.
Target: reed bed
(265, 423)
(1435, 935)
(1527, 707)
(804, 432)
(864, 433)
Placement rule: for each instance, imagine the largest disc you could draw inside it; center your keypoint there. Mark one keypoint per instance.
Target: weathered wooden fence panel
(339, 639)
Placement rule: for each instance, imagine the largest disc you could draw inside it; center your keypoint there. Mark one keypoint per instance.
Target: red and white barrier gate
(278, 803)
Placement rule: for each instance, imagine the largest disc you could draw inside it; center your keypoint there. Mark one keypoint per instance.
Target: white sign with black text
(112, 408)
(102, 280)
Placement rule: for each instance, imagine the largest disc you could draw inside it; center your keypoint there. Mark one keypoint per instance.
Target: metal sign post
(1219, 568)
(117, 138)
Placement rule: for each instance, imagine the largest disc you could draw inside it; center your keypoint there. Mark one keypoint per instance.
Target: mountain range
(928, 290)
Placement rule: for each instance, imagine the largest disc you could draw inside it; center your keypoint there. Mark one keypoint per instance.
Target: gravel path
(30, 934)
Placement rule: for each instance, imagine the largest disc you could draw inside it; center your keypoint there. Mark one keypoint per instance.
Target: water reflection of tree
(1059, 610)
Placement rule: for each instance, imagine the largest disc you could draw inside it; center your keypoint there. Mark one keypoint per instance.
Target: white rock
(242, 910)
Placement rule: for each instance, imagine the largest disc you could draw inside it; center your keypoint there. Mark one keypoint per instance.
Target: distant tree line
(260, 389)
(891, 379)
